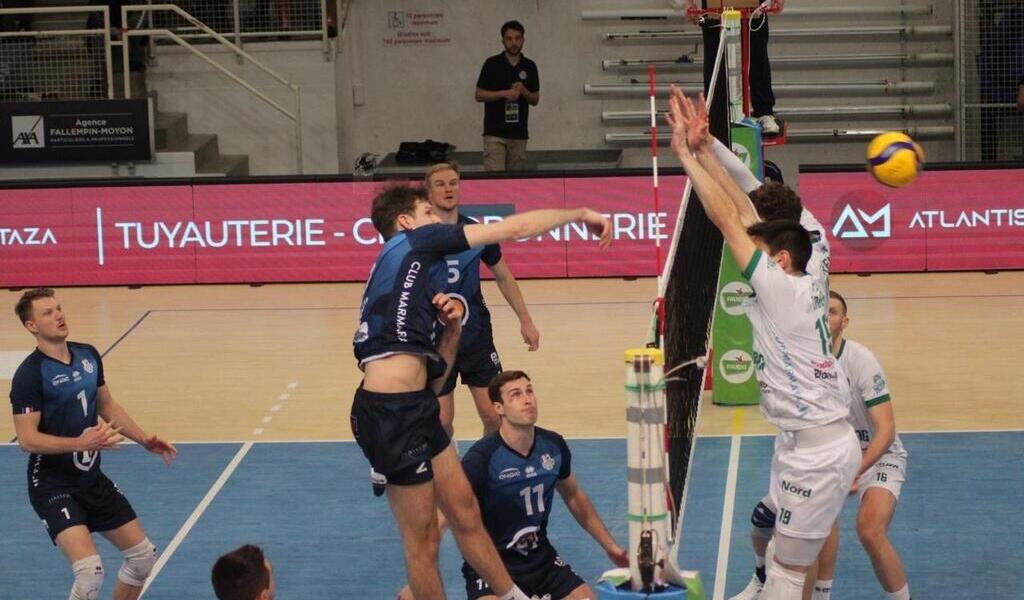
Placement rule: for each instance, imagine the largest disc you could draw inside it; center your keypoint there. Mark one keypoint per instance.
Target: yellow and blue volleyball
(894, 159)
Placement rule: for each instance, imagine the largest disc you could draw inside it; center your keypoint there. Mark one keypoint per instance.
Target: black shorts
(556, 578)
(98, 504)
(399, 435)
(476, 364)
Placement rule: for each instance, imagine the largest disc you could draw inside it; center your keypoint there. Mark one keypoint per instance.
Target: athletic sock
(823, 589)
(901, 594)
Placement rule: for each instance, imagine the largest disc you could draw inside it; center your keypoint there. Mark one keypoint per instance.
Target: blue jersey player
(59, 395)
(477, 361)
(394, 413)
(514, 473)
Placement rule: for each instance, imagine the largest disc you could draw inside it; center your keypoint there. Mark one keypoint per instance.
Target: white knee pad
(88, 578)
(138, 562)
(782, 584)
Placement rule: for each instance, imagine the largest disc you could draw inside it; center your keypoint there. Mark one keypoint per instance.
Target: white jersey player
(883, 465)
(817, 453)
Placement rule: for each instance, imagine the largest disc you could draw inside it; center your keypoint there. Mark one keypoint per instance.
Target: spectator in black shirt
(508, 85)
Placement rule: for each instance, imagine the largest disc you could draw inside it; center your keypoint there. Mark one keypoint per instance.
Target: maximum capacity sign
(75, 130)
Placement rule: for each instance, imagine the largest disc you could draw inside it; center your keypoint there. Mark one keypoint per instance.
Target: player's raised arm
(725, 168)
(537, 222)
(450, 312)
(716, 202)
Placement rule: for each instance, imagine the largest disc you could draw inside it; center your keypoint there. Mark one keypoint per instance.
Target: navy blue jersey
(65, 395)
(397, 315)
(515, 493)
(464, 282)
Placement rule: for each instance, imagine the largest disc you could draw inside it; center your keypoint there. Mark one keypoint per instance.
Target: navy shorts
(476, 364)
(399, 434)
(555, 579)
(98, 504)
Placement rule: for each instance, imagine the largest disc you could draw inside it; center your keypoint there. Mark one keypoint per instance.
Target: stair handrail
(295, 117)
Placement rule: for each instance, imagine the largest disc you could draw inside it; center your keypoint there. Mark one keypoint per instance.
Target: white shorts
(811, 480)
(888, 473)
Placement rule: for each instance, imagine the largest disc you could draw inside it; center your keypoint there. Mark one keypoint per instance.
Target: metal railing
(902, 59)
(249, 20)
(63, 63)
(905, 111)
(295, 117)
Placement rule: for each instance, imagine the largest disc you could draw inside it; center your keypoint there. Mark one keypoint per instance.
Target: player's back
(798, 377)
(396, 315)
(515, 493)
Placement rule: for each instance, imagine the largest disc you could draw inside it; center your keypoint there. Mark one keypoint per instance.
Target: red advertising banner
(275, 232)
(946, 220)
(321, 231)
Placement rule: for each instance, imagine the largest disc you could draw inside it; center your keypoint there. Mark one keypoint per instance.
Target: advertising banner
(75, 130)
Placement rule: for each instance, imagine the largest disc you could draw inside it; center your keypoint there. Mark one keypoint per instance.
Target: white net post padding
(645, 434)
(734, 62)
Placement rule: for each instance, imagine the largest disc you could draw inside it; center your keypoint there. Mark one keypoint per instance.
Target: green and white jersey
(868, 387)
(821, 252)
(798, 376)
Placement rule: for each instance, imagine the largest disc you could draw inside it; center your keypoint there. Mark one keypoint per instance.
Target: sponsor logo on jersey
(87, 365)
(796, 490)
(559, 562)
(531, 472)
(887, 465)
(509, 473)
(60, 379)
(525, 540)
(495, 360)
(76, 376)
(879, 383)
(547, 462)
(362, 333)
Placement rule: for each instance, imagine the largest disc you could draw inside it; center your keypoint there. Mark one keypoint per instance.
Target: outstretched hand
(689, 122)
(162, 447)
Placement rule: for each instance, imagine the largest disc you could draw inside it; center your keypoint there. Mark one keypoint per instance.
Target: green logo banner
(732, 338)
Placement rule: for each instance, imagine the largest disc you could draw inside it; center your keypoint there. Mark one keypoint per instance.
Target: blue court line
(114, 345)
(310, 506)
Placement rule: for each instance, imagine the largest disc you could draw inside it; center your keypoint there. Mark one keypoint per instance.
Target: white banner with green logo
(732, 338)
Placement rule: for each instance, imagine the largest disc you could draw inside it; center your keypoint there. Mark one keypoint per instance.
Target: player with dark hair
(508, 85)
(514, 473)
(243, 574)
(64, 416)
(816, 451)
(477, 361)
(395, 414)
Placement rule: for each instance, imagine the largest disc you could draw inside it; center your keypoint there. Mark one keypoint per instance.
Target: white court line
(725, 537)
(198, 512)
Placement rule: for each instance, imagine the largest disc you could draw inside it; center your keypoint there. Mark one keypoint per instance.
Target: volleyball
(894, 159)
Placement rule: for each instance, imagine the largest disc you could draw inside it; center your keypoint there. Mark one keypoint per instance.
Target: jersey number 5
(453, 271)
(539, 491)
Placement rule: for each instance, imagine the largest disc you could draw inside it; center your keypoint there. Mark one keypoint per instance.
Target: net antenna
(657, 540)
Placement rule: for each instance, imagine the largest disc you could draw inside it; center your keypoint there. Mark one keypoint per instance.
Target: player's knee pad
(782, 583)
(138, 562)
(88, 578)
(763, 520)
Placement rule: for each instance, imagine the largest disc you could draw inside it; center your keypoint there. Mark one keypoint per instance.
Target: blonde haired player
(883, 467)
(816, 451)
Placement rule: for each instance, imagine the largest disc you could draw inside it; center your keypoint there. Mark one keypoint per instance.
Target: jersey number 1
(85, 403)
(539, 491)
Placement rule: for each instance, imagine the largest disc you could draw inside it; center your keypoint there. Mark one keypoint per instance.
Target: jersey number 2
(539, 491)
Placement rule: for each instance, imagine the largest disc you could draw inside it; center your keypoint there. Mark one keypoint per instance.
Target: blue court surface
(310, 506)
